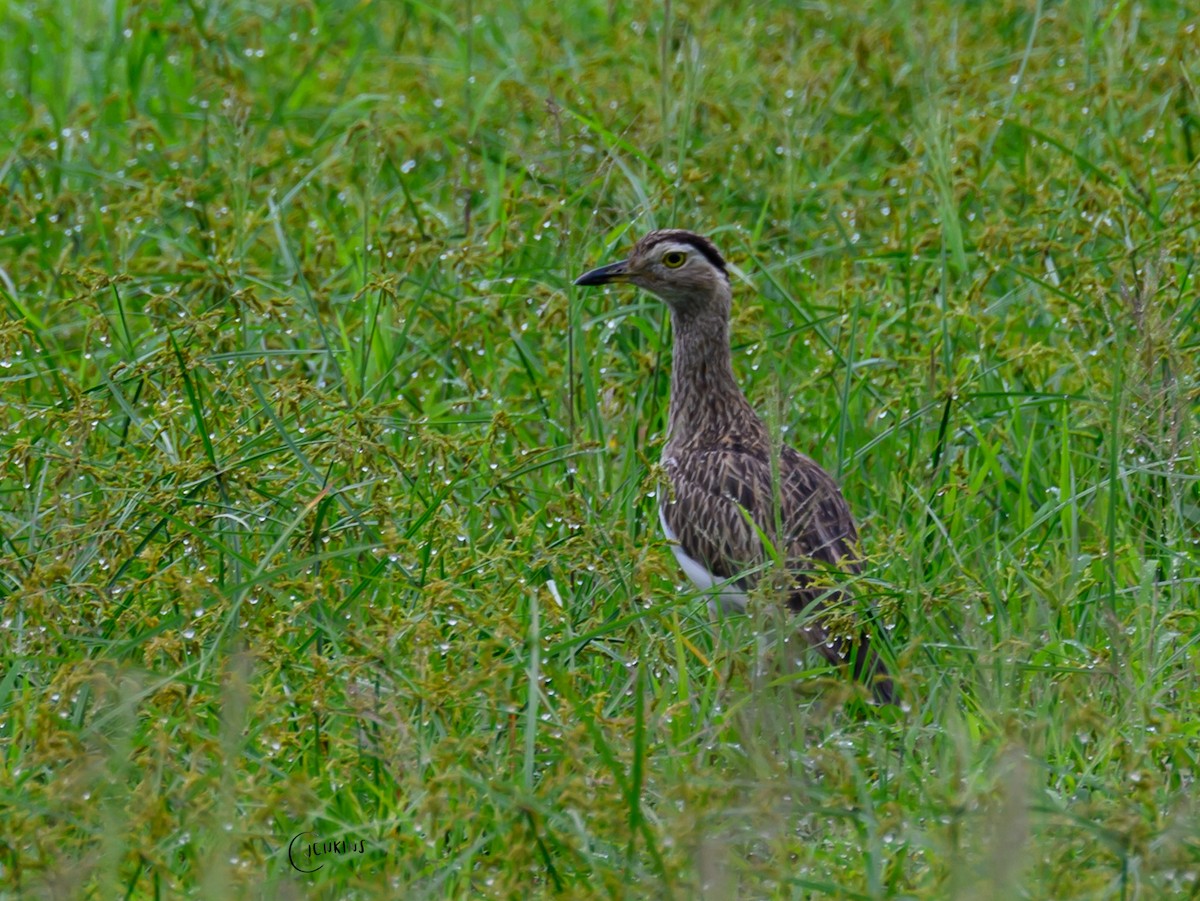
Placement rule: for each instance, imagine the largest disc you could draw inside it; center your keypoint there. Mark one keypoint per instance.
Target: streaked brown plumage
(718, 459)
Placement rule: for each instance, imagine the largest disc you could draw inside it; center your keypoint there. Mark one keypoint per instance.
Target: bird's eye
(673, 259)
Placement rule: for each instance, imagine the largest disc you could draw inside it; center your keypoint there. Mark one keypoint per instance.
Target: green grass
(328, 504)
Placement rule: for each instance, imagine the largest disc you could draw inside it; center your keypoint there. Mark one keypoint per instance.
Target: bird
(737, 501)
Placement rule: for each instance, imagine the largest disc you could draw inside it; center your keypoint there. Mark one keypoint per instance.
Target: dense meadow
(327, 509)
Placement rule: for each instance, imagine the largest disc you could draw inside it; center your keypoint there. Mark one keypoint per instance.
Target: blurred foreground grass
(328, 507)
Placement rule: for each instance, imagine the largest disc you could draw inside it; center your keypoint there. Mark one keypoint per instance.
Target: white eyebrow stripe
(668, 246)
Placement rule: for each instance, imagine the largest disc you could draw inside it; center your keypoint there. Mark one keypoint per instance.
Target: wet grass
(328, 503)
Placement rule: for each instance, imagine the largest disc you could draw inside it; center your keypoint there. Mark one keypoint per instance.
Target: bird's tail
(860, 657)
(867, 666)
(857, 654)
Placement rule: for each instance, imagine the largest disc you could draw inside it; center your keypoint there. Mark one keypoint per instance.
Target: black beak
(613, 272)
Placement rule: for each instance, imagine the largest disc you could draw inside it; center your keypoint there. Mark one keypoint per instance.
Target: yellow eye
(673, 259)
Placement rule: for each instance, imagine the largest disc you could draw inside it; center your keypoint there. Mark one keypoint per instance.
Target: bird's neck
(706, 401)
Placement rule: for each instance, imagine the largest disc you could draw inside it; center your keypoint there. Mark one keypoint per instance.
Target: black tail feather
(867, 666)
(858, 655)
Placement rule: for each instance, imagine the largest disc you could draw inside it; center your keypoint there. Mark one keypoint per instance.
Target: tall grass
(329, 506)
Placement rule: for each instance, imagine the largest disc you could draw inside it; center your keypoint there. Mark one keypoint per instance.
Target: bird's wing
(723, 502)
(819, 524)
(708, 493)
(719, 500)
(724, 498)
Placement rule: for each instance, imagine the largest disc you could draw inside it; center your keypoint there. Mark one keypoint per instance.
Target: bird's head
(679, 267)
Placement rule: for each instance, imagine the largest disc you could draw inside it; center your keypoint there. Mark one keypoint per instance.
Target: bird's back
(736, 512)
(728, 495)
